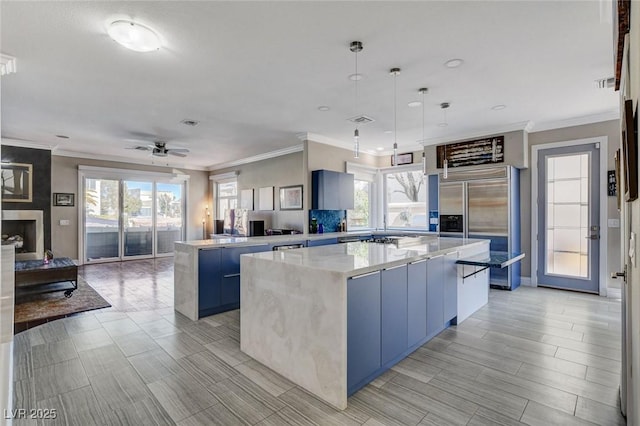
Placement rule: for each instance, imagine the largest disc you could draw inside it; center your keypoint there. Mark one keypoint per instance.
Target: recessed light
(323, 108)
(191, 123)
(414, 104)
(498, 107)
(388, 132)
(355, 77)
(442, 124)
(134, 36)
(62, 136)
(453, 63)
(380, 148)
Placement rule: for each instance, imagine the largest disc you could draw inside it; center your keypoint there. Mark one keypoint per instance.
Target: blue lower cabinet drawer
(394, 313)
(230, 289)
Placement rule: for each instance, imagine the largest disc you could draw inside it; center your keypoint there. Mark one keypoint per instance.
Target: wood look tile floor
(532, 356)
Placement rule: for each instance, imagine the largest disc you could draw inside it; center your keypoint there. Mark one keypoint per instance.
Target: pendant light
(423, 91)
(355, 47)
(394, 72)
(445, 163)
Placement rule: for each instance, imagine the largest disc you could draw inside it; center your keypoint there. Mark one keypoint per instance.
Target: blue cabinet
(450, 276)
(435, 295)
(208, 280)
(394, 313)
(331, 190)
(416, 302)
(230, 267)
(363, 329)
(316, 243)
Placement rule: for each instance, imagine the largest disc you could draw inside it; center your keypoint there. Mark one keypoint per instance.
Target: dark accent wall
(41, 160)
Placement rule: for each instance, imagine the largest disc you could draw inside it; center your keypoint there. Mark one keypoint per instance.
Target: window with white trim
(226, 197)
(405, 198)
(363, 213)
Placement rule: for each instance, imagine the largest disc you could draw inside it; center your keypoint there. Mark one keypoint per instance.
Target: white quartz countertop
(284, 239)
(361, 257)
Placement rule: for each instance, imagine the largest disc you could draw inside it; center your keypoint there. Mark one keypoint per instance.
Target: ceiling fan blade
(177, 154)
(178, 149)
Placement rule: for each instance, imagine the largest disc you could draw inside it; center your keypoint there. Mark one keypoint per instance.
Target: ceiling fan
(159, 149)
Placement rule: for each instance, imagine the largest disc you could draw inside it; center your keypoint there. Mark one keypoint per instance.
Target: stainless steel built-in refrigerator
(484, 203)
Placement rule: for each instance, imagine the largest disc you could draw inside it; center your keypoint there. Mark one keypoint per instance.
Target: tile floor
(533, 356)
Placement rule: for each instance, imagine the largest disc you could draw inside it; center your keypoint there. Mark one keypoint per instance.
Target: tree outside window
(406, 199)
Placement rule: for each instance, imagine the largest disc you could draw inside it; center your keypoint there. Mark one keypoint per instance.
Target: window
(360, 216)
(226, 197)
(363, 214)
(405, 199)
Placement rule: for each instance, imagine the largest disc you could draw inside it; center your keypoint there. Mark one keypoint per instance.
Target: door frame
(603, 141)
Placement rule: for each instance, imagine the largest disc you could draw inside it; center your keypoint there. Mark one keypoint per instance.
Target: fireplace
(24, 230)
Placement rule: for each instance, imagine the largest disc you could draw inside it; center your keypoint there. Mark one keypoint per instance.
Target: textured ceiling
(254, 73)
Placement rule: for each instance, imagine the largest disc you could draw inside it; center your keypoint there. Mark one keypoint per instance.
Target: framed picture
(630, 152)
(406, 158)
(291, 197)
(17, 182)
(265, 198)
(63, 199)
(246, 199)
(611, 183)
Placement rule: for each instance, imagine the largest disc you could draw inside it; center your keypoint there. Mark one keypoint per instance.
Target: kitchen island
(332, 318)
(207, 272)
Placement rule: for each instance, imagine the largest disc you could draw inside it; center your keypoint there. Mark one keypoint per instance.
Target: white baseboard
(526, 281)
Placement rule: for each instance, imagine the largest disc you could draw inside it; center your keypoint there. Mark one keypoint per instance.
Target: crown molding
(115, 158)
(27, 144)
(576, 121)
(520, 126)
(259, 157)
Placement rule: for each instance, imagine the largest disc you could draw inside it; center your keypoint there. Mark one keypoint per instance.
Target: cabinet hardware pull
(435, 257)
(394, 267)
(231, 275)
(365, 275)
(418, 261)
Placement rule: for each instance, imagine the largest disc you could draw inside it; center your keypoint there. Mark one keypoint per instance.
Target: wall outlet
(613, 223)
(65, 222)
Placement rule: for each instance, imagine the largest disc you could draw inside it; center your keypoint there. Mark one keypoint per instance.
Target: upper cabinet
(331, 190)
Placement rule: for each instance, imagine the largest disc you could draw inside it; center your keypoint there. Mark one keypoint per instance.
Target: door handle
(592, 237)
(615, 275)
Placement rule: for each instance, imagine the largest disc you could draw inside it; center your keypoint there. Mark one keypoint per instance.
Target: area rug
(37, 309)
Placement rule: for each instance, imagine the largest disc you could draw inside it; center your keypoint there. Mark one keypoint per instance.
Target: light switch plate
(613, 223)
(64, 222)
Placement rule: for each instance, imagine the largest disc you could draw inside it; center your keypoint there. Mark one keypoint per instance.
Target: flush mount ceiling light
(323, 108)
(414, 104)
(453, 63)
(394, 72)
(7, 64)
(355, 47)
(380, 148)
(498, 107)
(134, 36)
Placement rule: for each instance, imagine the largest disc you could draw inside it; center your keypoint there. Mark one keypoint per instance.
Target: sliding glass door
(169, 211)
(126, 219)
(102, 219)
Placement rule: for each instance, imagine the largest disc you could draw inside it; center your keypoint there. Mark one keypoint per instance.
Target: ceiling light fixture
(423, 91)
(188, 122)
(414, 104)
(134, 36)
(356, 76)
(394, 72)
(453, 63)
(356, 46)
(445, 162)
(62, 136)
(380, 148)
(323, 108)
(498, 107)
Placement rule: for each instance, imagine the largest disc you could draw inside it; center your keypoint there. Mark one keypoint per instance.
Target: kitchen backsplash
(330, 219)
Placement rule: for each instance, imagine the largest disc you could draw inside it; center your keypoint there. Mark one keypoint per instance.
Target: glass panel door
(169, 212)
(102, 219)
(569, 217)
(137, 218)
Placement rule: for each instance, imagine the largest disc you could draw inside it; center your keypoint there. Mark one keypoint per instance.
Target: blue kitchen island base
(332, 318)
